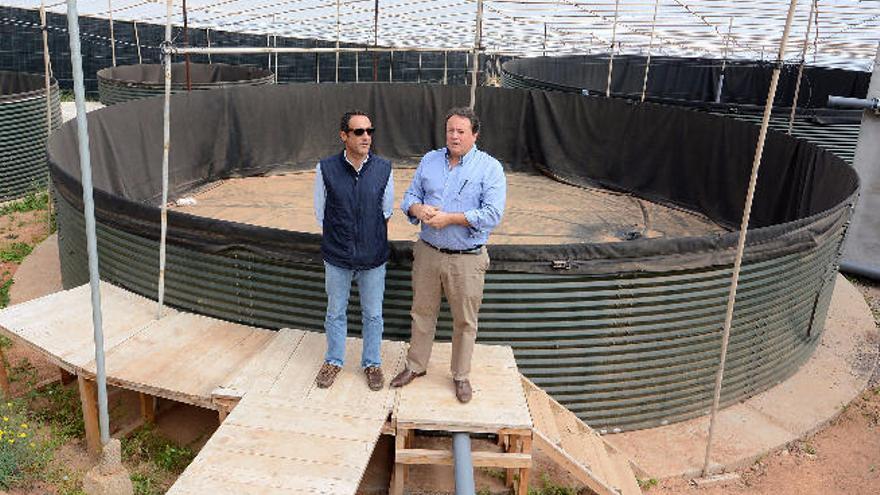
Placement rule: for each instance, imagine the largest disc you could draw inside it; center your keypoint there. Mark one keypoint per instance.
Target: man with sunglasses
(354, 197)
(458, 195)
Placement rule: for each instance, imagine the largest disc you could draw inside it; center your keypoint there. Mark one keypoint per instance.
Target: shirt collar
(345, 157)
(467, 156)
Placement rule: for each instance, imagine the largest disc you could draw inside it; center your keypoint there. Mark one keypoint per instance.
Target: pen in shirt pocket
(463, 184)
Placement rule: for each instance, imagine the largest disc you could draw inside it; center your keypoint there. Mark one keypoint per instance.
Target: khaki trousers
(460, 277)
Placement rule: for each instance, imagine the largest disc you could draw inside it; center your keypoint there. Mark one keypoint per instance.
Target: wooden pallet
(498, 407)
(576, 447)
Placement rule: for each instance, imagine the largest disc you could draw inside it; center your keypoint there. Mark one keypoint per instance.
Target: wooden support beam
(66, 377)
(480, 459)
(525, 451)
(148, 408)
(88, 396)
(397, 476)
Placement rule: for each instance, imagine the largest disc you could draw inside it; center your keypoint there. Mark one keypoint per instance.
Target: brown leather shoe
(326, 375)
(405, 377)
(375, 378)
(463, 391)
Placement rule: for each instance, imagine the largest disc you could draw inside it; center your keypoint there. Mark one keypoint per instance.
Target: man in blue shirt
(458, 196)
(354, 197)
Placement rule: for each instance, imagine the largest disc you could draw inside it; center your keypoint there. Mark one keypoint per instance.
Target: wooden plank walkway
(282, 434)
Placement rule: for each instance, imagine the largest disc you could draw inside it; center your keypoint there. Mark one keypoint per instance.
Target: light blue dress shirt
(476, 187)
(321, 193)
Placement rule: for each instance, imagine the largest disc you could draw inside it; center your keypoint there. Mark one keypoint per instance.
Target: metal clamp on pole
(872, 104)
(167, 48)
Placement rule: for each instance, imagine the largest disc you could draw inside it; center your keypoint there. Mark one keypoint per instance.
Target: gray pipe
(464, 464)
(85, 161)
(860, 269)
(854, 103)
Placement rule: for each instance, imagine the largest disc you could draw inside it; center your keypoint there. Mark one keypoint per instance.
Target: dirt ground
(843, 458)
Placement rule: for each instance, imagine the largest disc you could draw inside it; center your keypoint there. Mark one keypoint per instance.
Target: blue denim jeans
(371, 286)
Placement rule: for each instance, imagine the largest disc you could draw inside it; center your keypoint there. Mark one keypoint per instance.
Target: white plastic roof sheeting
(845, 33)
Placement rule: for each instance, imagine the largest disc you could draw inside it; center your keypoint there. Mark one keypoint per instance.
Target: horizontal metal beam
(290, 49)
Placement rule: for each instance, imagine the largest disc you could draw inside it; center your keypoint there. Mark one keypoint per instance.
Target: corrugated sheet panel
(23, 166)
(627, 351)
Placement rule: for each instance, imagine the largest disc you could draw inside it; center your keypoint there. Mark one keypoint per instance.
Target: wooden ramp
(287, 436)
(575, 446)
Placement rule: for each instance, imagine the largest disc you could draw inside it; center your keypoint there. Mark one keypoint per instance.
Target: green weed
(550, 488)
(37, 200)
(647, 484)
(15, 252)
(146, 444)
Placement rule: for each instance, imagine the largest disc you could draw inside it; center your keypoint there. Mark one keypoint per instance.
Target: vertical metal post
(137, 41)
(478, 38)
(720, 88)
(338, 29)
(85, 161)
(391, 68)
(186, 44)
(269, 45)
(112, 37)
(650, 49)
(208, 38)
(747, 210)
(613, 40)
(47, 68)
(797, 86)
(317, 65)
(376, 41)
(445, 67)
(357, 69)
(275, 44)
(166, 149)
(544, 50)
(419, 79)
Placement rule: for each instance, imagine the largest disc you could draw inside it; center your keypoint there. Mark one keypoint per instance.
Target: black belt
(473, 250)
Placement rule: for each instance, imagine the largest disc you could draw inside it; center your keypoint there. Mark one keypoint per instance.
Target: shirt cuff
(473, 221)
(405, 206)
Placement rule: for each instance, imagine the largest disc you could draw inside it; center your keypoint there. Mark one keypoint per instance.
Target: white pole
(338, 30)
(613, 40)
(391, 68)
(478, 34)
(275, 45)
(650, 48)
(208, 37)
(137, 41)
(357, 69)
(85, 161)
(420, 68)
(47, 68)
(747, 210)
(720, 88)
(166, 149)
(445, 66)
(112, 38)
(269, 45)
(797, 86)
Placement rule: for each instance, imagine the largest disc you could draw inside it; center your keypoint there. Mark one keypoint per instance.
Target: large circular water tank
(623, 330)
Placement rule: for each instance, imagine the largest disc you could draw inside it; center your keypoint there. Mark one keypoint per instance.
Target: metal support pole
(445, 67)
(463, 464)
(338, 30)
(186, 43)
(391, 68)
(747, 210)
(419, 79)
(613, 40)
(357, 69)
(650, 49)
(544, 47)
(208, 38)
(112, 37)
(478, 38)
(275, 45)
(376, 41)
(47, 68)
(166, 149)
(137, 41)
(720, 88)
(797, 85)
(85, 161)
(269, 45)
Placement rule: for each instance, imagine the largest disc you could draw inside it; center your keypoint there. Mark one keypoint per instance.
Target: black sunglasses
(361, 131)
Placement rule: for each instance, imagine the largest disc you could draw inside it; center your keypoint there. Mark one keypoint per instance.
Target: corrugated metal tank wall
(627, 351)
(23, 165)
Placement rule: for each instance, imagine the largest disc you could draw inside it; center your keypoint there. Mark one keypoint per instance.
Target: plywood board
(60, 324)
(183, 357)
(498, 402)
(262, 371)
